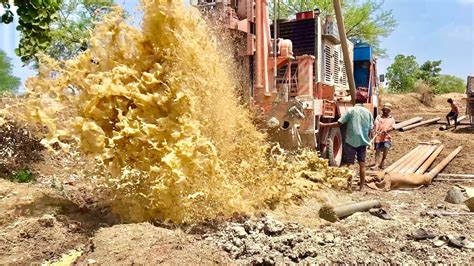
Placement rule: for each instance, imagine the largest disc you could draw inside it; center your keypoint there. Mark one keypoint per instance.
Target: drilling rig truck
(302, 72)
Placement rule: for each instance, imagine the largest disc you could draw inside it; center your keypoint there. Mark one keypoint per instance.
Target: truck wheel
(334, 147)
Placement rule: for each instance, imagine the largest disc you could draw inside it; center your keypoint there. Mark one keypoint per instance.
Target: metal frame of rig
(299, 78)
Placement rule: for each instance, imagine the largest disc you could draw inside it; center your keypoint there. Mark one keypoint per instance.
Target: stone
(46, 220)
(470, 204)
(237, 242)
(249, 226)
(455, 196)
(273, 227)
(239, 231)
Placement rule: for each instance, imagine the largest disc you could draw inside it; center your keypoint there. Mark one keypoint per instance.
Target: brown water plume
(157, 107)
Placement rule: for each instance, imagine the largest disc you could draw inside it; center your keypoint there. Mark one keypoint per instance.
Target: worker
(359, 124)
(453, 114)
(383, 140)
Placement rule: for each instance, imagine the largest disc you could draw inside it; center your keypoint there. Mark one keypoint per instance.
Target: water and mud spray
(157, 107)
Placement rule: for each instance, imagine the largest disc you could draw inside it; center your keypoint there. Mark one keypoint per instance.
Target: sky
(428, 29)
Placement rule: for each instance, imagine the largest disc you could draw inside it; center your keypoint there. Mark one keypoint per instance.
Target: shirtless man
(453, 113)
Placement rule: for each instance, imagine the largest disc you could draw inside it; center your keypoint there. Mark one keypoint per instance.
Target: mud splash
(157, 107)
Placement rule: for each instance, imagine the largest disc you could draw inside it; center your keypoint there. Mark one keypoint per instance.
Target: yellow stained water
(157, 107)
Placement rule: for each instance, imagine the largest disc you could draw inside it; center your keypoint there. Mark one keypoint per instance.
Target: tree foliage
(449, 83)
(59, 28)
(365, 20)
(70, 33)
(403, 73)
(8, 82)
(430, 72)
(34, 19)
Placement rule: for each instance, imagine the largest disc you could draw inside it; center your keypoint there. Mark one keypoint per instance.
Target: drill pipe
(429, 161)
(410, 159)
(408, 122)
(420, 160)
(345, 49)
(435, 171)
(333, 214)
(444, 127)
(401, 160)
(420, 124)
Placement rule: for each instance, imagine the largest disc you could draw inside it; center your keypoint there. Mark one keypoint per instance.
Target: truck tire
(334, 147)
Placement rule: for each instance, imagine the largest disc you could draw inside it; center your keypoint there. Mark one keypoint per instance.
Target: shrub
(23, 176)
(425, 91)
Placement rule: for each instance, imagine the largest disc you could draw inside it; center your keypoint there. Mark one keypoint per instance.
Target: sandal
(381, 213)
(422, 234)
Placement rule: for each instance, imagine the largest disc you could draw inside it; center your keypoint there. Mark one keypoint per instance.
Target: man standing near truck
(359, 124)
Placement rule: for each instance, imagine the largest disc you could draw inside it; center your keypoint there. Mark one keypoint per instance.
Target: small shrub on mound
(23, 176)
(426, 92)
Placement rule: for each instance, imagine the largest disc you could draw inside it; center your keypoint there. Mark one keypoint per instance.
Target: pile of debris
(265, 240)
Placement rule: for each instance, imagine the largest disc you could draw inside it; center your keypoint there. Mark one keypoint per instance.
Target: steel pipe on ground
(438, 168)
(444, 127)
(408, 122)
(411, 159)
(420, 160)
(333, 214)
(426, 122)
(401, 160)
(429, 161)
(463, 176)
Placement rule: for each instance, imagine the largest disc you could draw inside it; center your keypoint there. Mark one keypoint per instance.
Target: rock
(470, 204)
(273, 227)
(237, 242)
(249, 226)
(91, 261)
(455, 196)
(46, 220)
(239, 231)
(228, 247)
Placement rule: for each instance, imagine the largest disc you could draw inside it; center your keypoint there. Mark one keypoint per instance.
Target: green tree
(449, 83)
(71, 32)
(8, 82)
(403, 73)
(430, 72)
(364, 19)
(34, 20)
(59, 28)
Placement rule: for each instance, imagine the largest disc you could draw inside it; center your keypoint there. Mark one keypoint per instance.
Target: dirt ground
(56, 218)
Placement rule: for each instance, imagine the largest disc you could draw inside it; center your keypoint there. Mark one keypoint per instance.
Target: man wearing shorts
(453, 114)
(383, 140)
(359, 122)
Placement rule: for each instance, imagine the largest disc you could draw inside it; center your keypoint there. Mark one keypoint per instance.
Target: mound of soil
(130, 244)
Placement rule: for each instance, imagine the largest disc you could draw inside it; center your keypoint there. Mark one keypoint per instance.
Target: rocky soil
(58, 215)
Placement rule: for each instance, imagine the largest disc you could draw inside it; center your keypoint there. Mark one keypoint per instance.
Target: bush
(448, 83)
(19, 149)
(23, 176)
(425, 91)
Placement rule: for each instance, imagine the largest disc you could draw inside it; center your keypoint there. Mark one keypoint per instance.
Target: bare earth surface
(57, 214)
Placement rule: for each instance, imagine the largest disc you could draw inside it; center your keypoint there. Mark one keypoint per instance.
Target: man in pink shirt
(383, 141)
